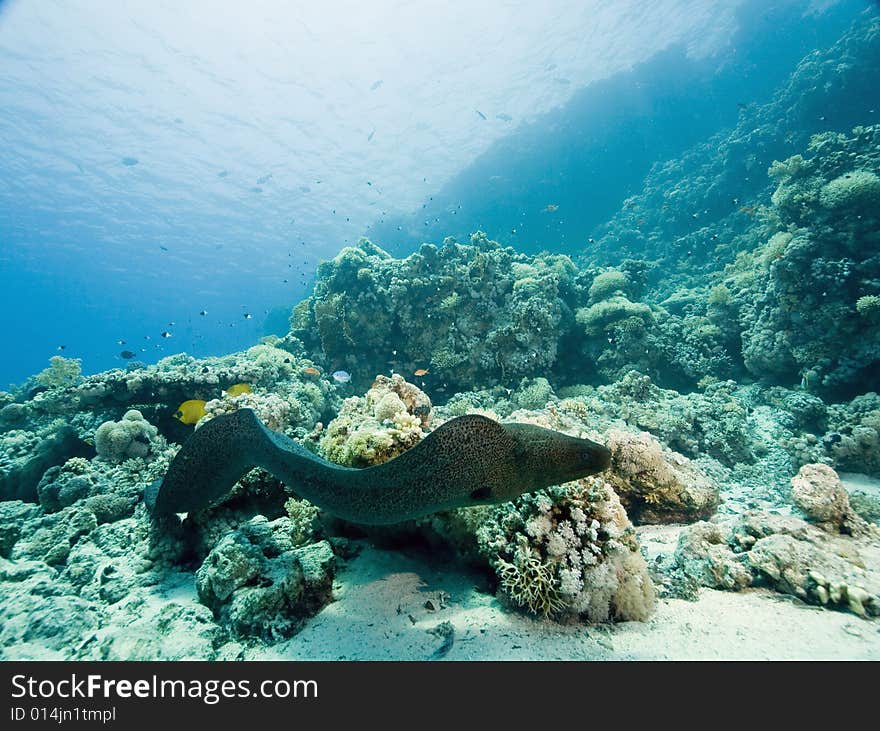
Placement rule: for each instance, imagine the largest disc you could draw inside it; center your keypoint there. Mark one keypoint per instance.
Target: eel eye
(481, 493)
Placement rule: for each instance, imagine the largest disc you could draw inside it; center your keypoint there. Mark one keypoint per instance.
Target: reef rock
(786, 554)
(818, 491)
(655, 484)
(259, 583)
(392, 418)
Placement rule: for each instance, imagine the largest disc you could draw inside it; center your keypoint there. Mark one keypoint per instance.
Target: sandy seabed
(380, 613)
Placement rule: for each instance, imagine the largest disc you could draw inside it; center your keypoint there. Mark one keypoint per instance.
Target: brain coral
(851, 190)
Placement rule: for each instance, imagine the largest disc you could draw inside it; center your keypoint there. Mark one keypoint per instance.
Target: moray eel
(470, 460)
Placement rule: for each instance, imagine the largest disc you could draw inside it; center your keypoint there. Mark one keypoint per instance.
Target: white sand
(380, 614)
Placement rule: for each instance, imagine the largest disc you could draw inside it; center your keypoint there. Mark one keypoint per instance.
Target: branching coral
(568, 551)
(61, 372)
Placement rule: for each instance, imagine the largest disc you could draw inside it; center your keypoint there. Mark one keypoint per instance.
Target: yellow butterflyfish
(238, 389)
(189, 412)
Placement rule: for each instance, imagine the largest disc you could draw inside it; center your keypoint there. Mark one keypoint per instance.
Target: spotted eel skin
(469, 460)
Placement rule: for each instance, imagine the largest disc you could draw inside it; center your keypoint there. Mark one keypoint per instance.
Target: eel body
(469, 460)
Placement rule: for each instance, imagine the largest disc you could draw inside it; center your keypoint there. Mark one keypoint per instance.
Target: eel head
(544, 457)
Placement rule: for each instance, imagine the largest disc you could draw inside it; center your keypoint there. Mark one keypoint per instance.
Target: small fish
(222, 173)
(376, 84)
(549, 208)
(421, 372)
(341, 376)
(370, 136)
(504, 117)
(129, 161)
(482, 116)
(248, 316)
(120, 342)
(203, 313)
(309, 371)
(591, 240)
(189, 412)
(238, 389)
(167, 334)
(164, 248)
(62, 347)
(127, 354)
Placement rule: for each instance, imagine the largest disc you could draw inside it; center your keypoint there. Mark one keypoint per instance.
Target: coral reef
(657, 485)
(259, 582)
(61, 372)
(568, 551)
(713, 423)
(720, 335)
(26, 455)
(788, 555)
(131, 437)
(391, 418)
(491, 313)
(694, 210)
(800, 315)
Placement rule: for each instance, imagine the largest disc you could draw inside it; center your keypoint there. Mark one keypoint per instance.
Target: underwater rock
(25, 456)
(13, 514)
(852, 440)
(175, 632)
(657, 485)
(786, 554)
(568, 552)
(50, 538)
(38, 618)
(818, 491)
(259, 583)
(704, 554)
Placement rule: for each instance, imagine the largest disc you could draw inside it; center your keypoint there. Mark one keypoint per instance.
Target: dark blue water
(160, 164)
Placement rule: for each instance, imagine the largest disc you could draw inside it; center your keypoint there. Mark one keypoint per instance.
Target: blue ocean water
(162, 161)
